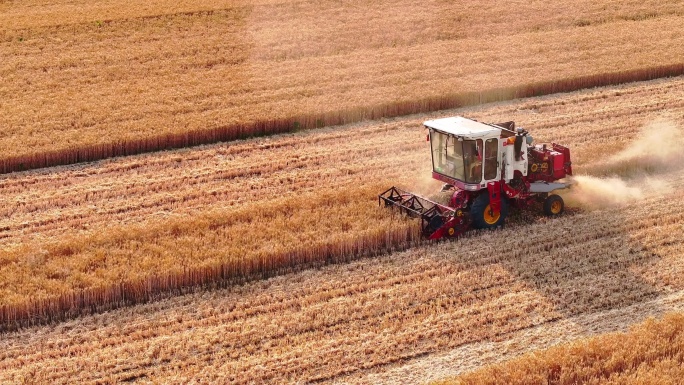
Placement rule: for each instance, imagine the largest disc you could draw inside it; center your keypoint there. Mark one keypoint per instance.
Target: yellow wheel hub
(489, 217)
(556, 207)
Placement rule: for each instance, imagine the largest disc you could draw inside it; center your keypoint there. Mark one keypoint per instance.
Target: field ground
(84, 80)
(176, 214)
(493, 295)
(415, 315)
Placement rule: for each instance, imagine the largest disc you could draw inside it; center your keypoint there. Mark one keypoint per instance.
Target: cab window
(472, 159)
(491, 151)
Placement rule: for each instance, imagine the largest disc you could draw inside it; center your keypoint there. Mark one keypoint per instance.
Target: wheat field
(125, 230)
(85, 80)
(453, 305)
(235, 259)
(361, 321)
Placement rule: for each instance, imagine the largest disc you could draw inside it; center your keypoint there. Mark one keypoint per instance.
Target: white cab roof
(461, 126)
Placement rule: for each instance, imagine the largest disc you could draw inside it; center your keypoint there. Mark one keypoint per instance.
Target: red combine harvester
(489, 167)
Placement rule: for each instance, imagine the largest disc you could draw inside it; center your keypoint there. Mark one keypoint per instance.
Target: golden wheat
(651, 353)
(346, 322)
(96, 236)
(93, 81)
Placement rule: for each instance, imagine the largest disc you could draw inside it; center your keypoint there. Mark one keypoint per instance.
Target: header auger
(487, 168)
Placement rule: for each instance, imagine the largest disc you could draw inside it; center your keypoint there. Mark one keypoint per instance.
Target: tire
(553, 205)
(479, 212)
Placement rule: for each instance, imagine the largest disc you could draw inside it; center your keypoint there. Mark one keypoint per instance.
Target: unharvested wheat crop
(651, 353)
(84, 81)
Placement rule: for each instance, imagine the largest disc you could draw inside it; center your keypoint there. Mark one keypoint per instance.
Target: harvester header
(487, 168)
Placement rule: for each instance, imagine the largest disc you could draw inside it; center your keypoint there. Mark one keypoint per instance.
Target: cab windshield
(461, 160)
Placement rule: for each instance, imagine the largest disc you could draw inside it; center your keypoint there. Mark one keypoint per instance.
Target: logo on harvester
(536, 166)
(451, 231)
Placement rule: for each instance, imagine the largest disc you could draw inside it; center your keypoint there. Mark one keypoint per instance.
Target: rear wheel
(553, 205)
(482, 214)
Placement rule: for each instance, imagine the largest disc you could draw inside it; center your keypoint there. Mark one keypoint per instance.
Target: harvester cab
(466, 153)
(488, 167)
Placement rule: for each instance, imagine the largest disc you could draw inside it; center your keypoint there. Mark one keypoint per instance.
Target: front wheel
(553, 205)
(482, 214)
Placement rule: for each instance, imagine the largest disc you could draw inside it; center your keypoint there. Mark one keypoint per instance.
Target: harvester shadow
(582, 264)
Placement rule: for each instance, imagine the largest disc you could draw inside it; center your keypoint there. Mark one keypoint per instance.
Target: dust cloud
(596, 192)
(633, 174)
(656, 149)
(426, 185)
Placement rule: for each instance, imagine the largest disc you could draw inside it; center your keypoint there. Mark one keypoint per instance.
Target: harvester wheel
(482, 215)
(553, 205)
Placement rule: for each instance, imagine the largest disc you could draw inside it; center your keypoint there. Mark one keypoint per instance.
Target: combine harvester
(489, 167)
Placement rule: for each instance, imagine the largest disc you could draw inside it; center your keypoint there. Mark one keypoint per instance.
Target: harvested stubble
(349, 322)
(651, 353)
(182, 216)
(104, 80)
